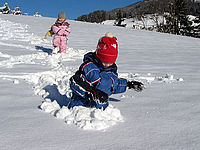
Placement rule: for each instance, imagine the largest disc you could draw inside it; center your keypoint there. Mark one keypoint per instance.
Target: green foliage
(96, 16)
(177, 21)
(119, 18)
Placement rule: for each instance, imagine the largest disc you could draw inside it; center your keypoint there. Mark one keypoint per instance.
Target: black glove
(137, 86)
(97, 96)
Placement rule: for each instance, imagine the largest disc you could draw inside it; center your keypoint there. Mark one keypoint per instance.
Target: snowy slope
(164, 116)
(149, 22)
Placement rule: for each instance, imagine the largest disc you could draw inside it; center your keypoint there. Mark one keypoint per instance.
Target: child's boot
(55, 50)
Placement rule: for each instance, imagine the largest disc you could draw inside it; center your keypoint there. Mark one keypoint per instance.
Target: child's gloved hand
(137, 86)
(97, 96)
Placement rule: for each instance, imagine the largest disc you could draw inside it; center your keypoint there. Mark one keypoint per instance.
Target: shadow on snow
(46, 50)
(54, 94)
(114, 100)
(62, 100)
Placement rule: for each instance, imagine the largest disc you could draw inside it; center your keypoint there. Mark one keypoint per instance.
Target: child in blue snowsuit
(97, 77)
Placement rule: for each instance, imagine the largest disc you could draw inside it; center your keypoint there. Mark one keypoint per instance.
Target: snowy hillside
(148, 22)
(35, 90)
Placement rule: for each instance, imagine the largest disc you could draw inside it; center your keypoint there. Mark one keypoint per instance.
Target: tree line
(175, 13)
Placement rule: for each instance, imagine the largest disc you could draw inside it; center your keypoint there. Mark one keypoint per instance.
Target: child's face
(61, 19)
(106, 64)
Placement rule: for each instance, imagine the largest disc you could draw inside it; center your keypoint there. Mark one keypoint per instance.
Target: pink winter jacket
(61, 29)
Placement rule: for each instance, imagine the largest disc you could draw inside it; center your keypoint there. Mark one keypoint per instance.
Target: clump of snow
(16, 81)
(168, 78)
(180, 79)
(123, 96)
(90, 118)
(50, 107)
(82, 117)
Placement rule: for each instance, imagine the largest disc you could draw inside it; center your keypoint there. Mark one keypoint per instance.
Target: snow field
(58, 75)
(165, 116)
(55, 81)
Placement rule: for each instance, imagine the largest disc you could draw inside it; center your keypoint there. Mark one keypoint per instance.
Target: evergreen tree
(96, 16)
(177, 21)
(119, 18)
(196, 27)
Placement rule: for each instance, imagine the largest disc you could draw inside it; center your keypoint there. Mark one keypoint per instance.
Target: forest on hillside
(142, 7)
(175, 14)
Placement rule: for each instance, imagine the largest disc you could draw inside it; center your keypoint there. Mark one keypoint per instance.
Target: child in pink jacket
(61, 31)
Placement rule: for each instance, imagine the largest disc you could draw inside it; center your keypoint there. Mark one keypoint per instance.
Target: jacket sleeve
(111, 84)
(58, 30)
(55, 29)
(91, 72)
(84, 79)
(78, 85)
(67, 32)
(120, 86)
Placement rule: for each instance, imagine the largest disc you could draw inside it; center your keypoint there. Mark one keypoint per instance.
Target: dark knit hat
(62, 15)
(107, 48)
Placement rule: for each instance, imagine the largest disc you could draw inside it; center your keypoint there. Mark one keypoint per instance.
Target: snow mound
(85, 118)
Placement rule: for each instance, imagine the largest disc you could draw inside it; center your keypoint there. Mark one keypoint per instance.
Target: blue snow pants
(77, 100)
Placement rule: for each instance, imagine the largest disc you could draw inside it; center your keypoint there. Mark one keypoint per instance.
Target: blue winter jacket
(93, 72)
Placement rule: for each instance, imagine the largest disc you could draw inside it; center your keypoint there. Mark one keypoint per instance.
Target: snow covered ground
(148, 22)
(35, 90)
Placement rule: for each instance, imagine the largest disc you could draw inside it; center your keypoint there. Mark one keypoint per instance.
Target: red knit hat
(107, 48)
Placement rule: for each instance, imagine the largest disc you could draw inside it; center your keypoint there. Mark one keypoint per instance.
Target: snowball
(170, 77)
(122, 96)
(16, 81)
(180, 79)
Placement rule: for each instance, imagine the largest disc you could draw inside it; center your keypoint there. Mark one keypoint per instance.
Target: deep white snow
(35, 90)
